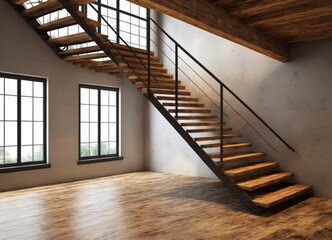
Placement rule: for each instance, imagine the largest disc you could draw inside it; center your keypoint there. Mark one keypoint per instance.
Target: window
(127, 19)
(22, 120)
(99, 122)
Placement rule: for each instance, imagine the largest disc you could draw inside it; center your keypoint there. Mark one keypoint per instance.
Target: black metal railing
(151, 77)
(223, 87)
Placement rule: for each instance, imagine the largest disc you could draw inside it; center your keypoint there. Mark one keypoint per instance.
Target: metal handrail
(223, 86)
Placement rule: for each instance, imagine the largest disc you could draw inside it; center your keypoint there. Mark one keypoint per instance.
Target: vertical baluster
(148, 48)
(176, 81)
(117, 21)
(221, 123)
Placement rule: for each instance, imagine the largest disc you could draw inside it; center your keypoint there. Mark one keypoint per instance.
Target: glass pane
(103, 97)
(38, 109)
(2, 85)
(85, 95)
(125, 6)
(10, 155)
(112, 98)
(93, 114)
(85, 150)
(104, 148)
(84, 132)
(94, 149)
(2, 132)
(134, 30)
(142, 12)
(135, 9)
(112, 132)
(26, 108)
(112, 148)
(26, 133)
(10, 133)
(104, 114)
(11, 86)
(2, 155)
(112, 114)
(93, 132)
(38, 89)
(26, 88)
(38, 133)
(104, 132)
(10, 108)
(84, 113)
(93, 96)
(2, 110)
(124, 26)
(38, 154)
(26, 154)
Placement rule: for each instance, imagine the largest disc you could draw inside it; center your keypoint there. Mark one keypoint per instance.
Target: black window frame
(100, 157)
(117, 9)
(34, 164)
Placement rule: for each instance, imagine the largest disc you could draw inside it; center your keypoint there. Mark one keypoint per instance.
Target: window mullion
(19, 125)
(99, 124)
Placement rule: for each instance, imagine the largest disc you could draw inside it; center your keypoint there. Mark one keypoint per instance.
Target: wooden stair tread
(181, 110)
(282, 195)
(158, 85)
(200, 130)
(263, 181)
(85, 57)
(211, 138)
(243, 170)
(70, 39)
(171, 104)
(188, 99)
(202, 123)
(50, 6)
(165, 91)
(136, 50)
(140, 67)
(227, 145)
(80, 50)
(59, 23)
(242, 156)
(196, 117)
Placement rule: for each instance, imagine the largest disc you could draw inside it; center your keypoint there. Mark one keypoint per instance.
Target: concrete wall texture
(294, 98)
(23, 52)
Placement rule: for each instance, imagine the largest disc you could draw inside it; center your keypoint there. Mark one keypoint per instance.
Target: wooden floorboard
(152, 206)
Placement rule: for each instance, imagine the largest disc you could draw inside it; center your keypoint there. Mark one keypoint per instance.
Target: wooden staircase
(258, 180)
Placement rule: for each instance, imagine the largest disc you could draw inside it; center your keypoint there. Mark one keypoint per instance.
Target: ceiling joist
(205, 15)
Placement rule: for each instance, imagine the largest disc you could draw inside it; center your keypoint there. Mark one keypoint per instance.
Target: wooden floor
(152, 206)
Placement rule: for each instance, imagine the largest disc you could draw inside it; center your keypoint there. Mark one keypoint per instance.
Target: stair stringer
(240, 194)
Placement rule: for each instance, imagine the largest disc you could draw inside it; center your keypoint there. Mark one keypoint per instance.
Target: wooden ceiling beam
(205, 15)
(304, 12)
(256, 7)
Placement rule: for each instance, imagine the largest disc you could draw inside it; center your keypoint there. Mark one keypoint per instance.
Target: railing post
(148, 48)
(176, 80)
(118, 21)
(221, 123)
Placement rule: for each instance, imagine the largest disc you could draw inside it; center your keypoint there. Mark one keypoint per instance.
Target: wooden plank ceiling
(266, 26)
(289, 21)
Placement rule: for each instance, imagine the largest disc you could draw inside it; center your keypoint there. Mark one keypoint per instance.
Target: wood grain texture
(289, 21)
(203, 14)
(152, 206)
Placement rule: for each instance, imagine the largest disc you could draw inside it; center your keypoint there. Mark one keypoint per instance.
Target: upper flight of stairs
(260, 180)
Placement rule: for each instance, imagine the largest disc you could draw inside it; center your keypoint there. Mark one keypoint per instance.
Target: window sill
(24, 168)
(98, 160)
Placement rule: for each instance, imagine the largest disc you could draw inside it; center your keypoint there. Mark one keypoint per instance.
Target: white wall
(23, 52)
(294, 98)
